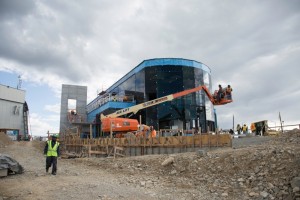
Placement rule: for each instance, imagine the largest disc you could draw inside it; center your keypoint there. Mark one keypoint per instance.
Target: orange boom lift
(119, 126)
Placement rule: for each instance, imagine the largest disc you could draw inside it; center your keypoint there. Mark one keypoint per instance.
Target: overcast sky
(252, 45)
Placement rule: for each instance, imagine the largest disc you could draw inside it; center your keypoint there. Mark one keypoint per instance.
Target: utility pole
(233, 123)
(280, 122)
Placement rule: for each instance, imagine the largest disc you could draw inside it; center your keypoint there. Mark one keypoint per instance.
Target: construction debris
(269, 170)
(9, 166)
(70, 156)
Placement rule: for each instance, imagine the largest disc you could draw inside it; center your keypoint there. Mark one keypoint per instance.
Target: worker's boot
(47, 170)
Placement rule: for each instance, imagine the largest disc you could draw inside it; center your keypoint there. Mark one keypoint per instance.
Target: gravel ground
(255, 168)
(249, 141)
(82, 179)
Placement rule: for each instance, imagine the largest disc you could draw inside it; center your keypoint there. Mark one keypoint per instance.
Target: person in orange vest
(153, 132)
(253, 128)
(51, 151)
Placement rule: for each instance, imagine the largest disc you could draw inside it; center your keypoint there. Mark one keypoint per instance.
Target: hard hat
(55, 135)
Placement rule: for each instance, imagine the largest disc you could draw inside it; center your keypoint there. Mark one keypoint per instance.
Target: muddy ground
(256, 168)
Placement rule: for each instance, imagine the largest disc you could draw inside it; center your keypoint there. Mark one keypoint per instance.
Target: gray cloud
(15, 8)
(252, 45)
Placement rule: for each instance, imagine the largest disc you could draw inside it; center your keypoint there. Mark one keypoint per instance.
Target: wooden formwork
(133, 146)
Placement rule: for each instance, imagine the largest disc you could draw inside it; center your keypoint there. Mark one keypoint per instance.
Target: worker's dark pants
(219, 96)
(51, 160)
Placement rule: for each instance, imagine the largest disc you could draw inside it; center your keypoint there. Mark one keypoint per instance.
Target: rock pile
(265, 171)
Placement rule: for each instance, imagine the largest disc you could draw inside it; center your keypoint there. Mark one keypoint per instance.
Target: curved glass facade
(155, 78)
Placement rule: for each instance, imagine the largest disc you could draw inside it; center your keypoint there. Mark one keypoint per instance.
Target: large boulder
(168, 161)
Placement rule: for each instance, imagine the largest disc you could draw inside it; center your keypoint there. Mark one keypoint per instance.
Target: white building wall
(11, 115)
(11, 108)
(12, 94)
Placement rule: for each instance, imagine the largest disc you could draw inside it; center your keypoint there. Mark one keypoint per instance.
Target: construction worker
(51, 151)
(143, 131)
(238, 128)
(253, 128)
(228, 92)
(220, 93)
(245, 129)
(153, 132)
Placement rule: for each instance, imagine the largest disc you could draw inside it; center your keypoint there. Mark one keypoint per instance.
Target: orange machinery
(119, 126)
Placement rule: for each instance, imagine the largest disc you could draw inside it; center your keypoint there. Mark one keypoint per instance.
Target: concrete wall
(78, 93)
(135, 151)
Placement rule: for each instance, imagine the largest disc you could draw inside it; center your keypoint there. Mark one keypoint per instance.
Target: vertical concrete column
(75, 92)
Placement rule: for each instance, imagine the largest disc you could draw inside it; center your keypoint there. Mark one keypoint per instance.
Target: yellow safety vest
(52, 151)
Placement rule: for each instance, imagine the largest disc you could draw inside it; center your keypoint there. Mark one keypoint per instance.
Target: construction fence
(137, 146)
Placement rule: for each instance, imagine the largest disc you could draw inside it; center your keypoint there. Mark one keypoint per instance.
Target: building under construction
(170, 95)
(149, 80)
(13, 113)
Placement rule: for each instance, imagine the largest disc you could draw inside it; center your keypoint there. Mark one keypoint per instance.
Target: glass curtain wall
(134, 86)
(200, 120)
(183, 113)
(191, 111)
(208, 105)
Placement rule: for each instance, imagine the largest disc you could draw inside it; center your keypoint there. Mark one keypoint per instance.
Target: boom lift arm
(136, 108)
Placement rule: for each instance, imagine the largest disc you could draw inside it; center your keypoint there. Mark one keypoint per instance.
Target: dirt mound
(4, 140)
(39, 145)
(290, 136)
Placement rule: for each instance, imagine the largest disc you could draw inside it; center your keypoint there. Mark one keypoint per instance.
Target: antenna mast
(20, 82)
